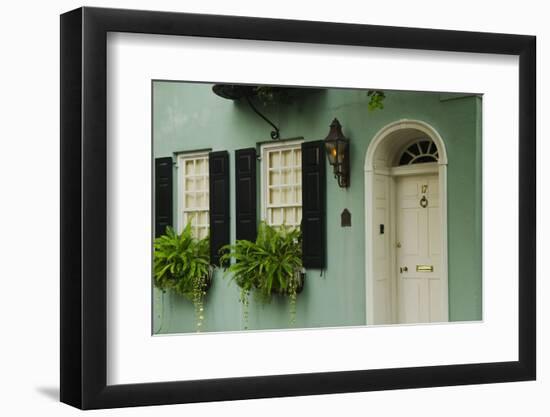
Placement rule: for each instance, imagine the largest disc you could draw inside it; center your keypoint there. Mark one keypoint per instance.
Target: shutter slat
(219, 203)
(313, 205)
(245, 194)
(163, 195)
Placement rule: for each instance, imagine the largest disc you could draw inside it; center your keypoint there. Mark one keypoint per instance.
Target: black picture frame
(84, 207)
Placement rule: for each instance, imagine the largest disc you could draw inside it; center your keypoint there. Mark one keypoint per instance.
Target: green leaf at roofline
(376, 99)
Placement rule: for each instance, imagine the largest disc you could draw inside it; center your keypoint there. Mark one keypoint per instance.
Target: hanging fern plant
(270, 265)
(182, 265)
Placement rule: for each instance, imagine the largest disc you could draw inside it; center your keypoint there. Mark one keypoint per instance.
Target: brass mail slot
(424, 268)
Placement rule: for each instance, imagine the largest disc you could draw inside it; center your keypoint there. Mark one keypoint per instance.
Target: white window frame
(182, 158)
(265, 149)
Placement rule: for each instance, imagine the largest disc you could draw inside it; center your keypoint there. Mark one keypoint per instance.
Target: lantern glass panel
(332, 151)
(341, 153)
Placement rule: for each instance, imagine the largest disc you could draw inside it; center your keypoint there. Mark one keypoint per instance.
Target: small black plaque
(345, 218)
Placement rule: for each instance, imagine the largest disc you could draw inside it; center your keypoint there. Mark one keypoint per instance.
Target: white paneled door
(418, 249)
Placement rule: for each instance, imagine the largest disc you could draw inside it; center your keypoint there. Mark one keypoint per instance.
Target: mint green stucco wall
(188, 116)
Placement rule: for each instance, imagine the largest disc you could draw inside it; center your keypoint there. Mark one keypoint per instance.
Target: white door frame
(370, 170)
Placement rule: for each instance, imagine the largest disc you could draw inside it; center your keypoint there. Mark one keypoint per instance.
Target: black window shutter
(163, 195)
(219, 203)
(245, 194)
(313, 205)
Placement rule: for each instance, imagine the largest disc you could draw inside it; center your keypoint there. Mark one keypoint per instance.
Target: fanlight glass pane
(419, 152)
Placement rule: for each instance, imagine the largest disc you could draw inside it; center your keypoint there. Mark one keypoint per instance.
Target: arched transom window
(418, 152)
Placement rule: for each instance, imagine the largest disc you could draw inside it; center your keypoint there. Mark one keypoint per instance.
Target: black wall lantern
(337, 147)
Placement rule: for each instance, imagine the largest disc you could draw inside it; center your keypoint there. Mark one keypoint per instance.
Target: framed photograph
(258, 208)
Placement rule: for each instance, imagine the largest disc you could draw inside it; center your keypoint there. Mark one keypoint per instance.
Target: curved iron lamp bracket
(275, 134)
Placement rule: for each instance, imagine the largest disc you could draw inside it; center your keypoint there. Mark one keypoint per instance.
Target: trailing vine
(182, 265)
(270, 265)
(292, 296)
(244, 299)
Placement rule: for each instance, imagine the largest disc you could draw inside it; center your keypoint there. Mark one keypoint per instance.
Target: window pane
(287, 177)
(194, 194)
(203, 232)
(298, 157)
(419, 152)
(274, 196)
(277, 216)
(274, 178)
(201, 166)
(405, 158)
(199, 184)
(200, 200)
(425, 158)
(189, 167)
(290, 218)
(284, 176)
(424, 145)
(288, 159)
(297, 176)
(190, 201)
(274, 159)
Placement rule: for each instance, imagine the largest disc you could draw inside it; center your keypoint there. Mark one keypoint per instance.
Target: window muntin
(282, 184)
(420, 151)
(193, 193)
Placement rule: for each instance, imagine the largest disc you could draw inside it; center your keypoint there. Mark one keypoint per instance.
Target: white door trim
(416, 169)
(370, 171)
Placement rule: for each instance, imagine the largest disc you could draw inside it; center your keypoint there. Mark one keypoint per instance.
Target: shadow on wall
(309, 108)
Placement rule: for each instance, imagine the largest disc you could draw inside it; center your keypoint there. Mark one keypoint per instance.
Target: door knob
(403, 269)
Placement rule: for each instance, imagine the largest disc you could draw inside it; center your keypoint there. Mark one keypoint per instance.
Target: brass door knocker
(423, 202)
